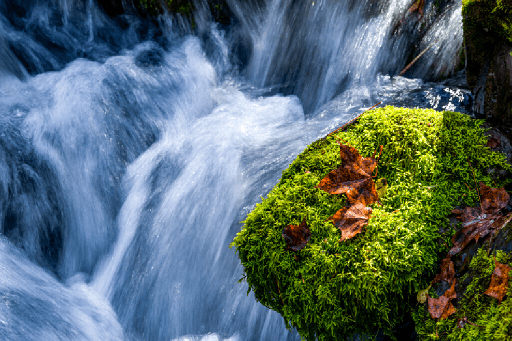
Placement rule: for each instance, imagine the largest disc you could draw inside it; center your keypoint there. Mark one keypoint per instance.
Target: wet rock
(488, 37)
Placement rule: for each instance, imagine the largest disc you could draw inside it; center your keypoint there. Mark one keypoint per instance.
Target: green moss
(487, 18)
(154, 7)
(488, 320)
(330, 290)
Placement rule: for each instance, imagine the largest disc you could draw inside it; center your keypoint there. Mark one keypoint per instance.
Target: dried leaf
(442, 307)
(296, 236)
(450, 293)
(493, 199)
(493, 142)
(353, 178)
(499, 281)
(350, 220)
(479, 222)
(447, 271)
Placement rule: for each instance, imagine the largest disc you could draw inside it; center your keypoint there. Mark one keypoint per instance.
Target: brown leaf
(353, 178)
(442, 307)
(450, 293)
(477, 229)
(499, 281)
(447, 271)
(296, 236)
(479, 222)
(493, 199)
(350, 220)
(493, 142)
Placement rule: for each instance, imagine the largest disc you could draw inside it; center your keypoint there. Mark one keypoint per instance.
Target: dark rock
(488, 48)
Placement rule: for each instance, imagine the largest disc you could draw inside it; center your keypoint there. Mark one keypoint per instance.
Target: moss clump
(484, 18)
(330, 290)
(488, 320)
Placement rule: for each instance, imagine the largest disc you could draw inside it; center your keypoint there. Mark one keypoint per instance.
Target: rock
(488, 38)
(380, 270)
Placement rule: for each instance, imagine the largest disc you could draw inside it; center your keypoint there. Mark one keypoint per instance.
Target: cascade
(130, 150)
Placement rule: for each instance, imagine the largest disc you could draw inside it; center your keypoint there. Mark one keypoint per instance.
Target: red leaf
(350, 220)
(499, 281)
(296, 236)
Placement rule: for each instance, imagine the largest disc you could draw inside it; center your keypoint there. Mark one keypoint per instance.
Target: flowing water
(131, 150)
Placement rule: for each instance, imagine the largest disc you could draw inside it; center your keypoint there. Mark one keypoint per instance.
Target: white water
(124, 176)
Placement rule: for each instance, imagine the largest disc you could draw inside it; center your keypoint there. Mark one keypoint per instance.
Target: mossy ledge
(331, 290)
(479, 317)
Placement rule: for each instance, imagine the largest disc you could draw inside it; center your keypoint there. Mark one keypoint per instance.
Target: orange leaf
(493, 199)
(499, 281)
(350, 220)
(442, 307)
(353, 178)
(447, 271)
(296, 236)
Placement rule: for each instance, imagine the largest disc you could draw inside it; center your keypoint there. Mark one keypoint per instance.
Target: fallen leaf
(350, 220)
(493, 142)
(353, 178)
(447, 271)
(479, 222)
(450, 293)
(499, 281)
(423, 294)
(296, 236)
(493, 199)
(442, 307)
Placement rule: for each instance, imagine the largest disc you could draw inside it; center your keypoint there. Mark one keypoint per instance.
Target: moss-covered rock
(488, 42)
(330, 290)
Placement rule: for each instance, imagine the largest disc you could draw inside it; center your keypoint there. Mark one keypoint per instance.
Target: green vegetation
(486, 319)
(484, 18)
(154, 7)
(329, 290)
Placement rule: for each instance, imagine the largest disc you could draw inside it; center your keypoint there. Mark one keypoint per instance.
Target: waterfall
(131, 150)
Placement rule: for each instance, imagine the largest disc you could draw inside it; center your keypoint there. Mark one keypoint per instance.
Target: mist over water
(131, 150)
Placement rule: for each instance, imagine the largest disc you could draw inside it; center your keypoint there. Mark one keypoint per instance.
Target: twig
(279, 292)
(378, 159)
(351, 121)
(476, 186)
(415, 59)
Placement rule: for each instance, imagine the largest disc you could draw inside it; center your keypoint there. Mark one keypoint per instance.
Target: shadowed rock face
(152, 8)
(489, 63)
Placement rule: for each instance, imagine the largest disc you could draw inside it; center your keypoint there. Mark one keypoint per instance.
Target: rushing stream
(130, 151)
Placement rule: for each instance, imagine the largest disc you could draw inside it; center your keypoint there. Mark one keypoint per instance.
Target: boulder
(488, 44)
